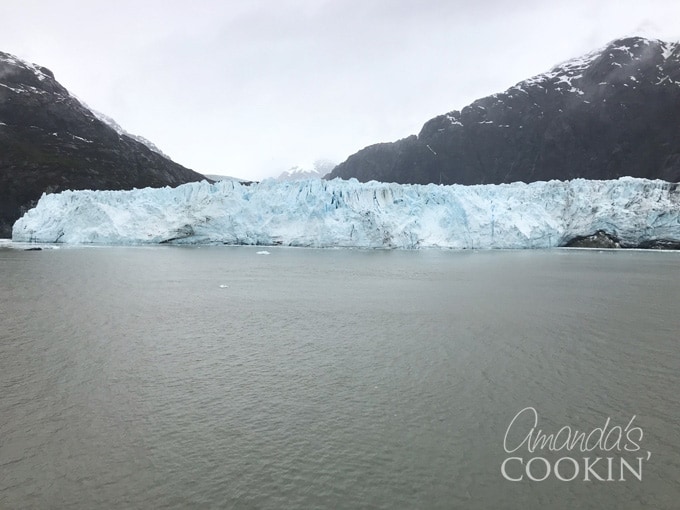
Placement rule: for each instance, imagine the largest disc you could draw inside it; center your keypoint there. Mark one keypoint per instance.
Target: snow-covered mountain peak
(22, 77)
(316, 170)
(620, 60)
(11, 61)
(626, 64)
(564, 72)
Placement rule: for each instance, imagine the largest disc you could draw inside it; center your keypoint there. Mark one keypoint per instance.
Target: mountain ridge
(607, 114)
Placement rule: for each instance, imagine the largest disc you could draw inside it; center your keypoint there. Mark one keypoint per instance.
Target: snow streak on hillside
(350, 214)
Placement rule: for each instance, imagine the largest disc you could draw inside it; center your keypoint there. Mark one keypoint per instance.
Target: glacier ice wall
(341, 213)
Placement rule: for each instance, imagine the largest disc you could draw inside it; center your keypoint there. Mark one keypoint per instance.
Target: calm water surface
(215, 377)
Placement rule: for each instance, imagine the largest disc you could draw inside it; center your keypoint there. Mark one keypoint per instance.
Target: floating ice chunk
(24, 246)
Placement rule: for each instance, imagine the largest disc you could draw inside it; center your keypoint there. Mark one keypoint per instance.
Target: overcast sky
(250, 88)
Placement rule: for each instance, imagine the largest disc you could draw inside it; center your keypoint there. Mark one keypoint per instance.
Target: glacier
(339, 213)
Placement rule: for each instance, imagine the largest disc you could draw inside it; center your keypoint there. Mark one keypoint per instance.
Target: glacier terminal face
(338, 213)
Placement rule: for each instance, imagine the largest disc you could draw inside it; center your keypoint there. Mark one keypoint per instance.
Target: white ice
(342, 213)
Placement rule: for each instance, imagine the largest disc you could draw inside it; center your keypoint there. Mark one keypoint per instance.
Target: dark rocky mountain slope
(611, 113)
(50, 142)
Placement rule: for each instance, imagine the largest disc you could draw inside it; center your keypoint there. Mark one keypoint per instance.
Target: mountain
(50, 141)
(626, 212)
(612, 113)
(319, 169)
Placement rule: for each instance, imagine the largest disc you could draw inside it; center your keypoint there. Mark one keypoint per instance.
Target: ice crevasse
(341, 213)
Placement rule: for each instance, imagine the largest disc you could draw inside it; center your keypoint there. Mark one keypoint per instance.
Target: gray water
(215, 377)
